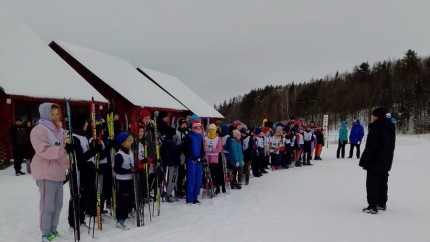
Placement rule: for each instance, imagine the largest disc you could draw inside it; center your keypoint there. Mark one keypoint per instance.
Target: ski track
(318, 203)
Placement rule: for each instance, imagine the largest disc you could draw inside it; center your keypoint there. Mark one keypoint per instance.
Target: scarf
(58, 132)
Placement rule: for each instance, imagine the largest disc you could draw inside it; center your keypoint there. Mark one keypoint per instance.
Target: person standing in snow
(85, 153)
(298, 146)
(377, 160)
(213, 148)
(320, 142)
(194, 154)
(247, 143)
(236, 158)
(181, 132)
(18, 140)
(49, 166)
(343, 139)
(276, 146)
(171, 157)
(355, 137)
(124, 169)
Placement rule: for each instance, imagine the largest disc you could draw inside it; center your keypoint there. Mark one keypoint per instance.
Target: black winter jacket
(170, 153)
(379, 150)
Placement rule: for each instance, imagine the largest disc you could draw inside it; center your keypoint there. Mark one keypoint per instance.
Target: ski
(157, 166)
(97, 164)
(73, 178)
(209, 188)
(111, 133)
(139, 205)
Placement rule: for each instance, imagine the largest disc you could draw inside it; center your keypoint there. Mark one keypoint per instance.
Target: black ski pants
(351, 150)
(377, 188)
(18, 157)
(125, 198)
(341, 149)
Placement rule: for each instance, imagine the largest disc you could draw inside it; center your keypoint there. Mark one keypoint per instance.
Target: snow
(29, 67)
(318, 203)
(183, 93)
(122, 76)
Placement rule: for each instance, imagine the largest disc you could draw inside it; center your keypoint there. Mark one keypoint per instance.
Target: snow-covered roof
(29, 67)
(182, 93)
(122, 77)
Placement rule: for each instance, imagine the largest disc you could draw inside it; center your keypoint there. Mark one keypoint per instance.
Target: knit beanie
(266, 129)
(181, 121)
(144, 113)
(162, 114)
(257, 131)
(279, 129)
(379, 112)
(194, 117)
(236, 133)
(237, 123)
(122, 137)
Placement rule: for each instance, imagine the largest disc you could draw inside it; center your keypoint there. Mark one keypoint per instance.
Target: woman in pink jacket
(213, 147)
(49, 166)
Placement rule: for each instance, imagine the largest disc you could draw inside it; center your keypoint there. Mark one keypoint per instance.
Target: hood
(357, 122)
(45, 111)
(343, 124)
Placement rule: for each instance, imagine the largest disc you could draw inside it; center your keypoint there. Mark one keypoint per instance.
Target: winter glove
(237, 164)
(133, 170)
(149, 160)
(69, 148)
(96, 147)
(111, 144)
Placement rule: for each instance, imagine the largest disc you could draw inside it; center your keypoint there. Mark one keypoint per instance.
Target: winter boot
(121, 225)
(382, 208)
(55, 234)
(371, 210)
(47, 237)
(217, 190)
(223, 189)
(170, 199)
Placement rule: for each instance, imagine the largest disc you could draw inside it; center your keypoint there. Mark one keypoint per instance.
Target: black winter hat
(170, 132)
(181, 120)
(379, 112)
(162, 114)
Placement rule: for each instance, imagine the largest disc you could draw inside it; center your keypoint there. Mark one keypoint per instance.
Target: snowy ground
(318, 203)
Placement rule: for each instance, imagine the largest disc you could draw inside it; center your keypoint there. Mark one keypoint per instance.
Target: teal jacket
(343, 131)
(236, 152)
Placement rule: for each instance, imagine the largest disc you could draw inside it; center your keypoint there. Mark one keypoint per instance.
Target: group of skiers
(152, 159)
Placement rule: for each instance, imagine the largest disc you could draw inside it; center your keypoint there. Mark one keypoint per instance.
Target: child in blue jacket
(236, 157)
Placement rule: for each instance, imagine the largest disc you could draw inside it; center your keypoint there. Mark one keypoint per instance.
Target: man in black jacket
(377, 159)
(18, 139)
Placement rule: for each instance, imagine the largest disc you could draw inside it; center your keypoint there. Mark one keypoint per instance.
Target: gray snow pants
(51, 202)
(171, 179)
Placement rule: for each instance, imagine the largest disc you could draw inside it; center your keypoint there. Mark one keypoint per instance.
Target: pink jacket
(50, 162)
(212, 156)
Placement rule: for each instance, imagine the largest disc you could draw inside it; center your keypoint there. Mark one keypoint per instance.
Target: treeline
(402, 86)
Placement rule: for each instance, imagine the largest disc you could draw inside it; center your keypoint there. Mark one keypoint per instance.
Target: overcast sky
(224, 48)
